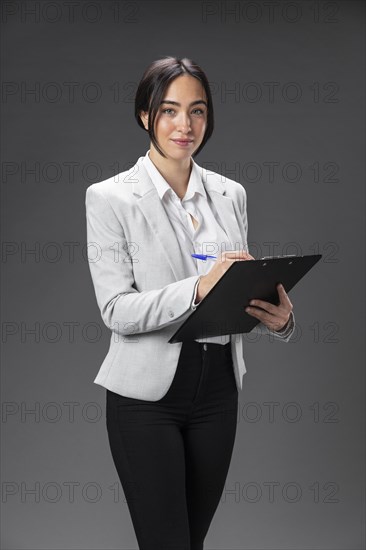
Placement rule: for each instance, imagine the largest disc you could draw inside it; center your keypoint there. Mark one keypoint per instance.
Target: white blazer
(139, 280)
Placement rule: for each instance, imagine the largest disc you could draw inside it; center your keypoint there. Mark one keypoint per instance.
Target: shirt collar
(195, 184)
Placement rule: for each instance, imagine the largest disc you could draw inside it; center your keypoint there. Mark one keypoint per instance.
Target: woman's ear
(145, 119)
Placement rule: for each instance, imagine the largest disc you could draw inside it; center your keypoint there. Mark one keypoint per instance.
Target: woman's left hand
(274, 317)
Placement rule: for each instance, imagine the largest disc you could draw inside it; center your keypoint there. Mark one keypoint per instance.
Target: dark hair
(150, 91)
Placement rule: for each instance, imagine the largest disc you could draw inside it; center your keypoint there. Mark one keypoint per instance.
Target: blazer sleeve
(123, 308)
(287, 331)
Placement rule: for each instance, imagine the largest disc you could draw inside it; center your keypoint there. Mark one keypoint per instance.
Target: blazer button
(171, 313)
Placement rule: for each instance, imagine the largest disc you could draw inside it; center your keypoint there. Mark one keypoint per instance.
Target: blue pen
(203, 256)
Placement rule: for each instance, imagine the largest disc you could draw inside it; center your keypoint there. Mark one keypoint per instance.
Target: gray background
(311, 449)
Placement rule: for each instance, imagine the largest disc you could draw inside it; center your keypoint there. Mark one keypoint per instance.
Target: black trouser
(172, 456)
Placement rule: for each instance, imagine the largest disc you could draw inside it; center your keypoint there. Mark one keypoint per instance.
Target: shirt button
(170, 313)
(205, 347)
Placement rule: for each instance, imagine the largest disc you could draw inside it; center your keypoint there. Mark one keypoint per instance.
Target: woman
(171, 408)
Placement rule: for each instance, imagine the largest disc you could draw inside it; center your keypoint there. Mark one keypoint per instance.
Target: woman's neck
(175, 172)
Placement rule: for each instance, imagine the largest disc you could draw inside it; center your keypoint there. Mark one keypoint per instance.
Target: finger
(247, 255)
(237, 255)
(271, 322)
(266, 318)
(283, 296)
(267, 306)
(237, 252)
(257, 313)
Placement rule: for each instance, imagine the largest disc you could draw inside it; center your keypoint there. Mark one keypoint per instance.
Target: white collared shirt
(209, 237)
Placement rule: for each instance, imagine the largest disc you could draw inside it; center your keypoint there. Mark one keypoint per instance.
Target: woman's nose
(183, 122)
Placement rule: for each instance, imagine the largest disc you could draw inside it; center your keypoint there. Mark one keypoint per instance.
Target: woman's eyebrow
(170, 102)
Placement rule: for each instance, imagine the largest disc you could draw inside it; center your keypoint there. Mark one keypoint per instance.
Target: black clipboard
(222, 310)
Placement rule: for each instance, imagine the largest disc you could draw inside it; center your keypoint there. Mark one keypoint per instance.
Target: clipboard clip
(284, 256)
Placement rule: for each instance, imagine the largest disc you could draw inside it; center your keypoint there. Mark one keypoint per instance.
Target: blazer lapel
(232, 222)
(153, 210)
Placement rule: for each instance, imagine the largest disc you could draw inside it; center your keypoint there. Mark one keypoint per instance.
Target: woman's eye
(196, 111)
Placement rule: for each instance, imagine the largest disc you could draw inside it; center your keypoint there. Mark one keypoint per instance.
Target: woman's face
(182, 115)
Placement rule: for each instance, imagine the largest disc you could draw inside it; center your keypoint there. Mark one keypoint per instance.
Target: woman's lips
(182, 143)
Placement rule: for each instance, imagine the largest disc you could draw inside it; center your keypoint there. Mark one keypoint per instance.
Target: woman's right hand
(221, 265)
